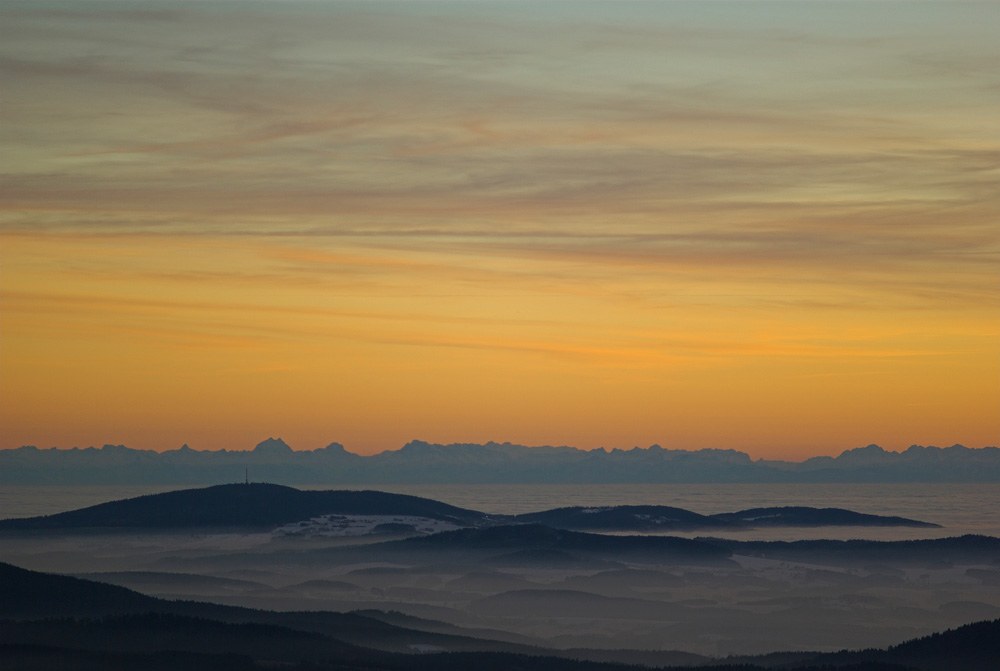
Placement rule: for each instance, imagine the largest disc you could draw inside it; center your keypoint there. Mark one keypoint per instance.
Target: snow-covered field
(360, 525)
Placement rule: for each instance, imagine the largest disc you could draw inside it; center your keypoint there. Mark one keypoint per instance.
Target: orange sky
(764, 227)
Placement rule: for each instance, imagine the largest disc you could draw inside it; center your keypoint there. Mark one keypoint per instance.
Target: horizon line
(605, 450)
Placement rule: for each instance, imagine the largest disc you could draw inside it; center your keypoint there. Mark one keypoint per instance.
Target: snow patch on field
(655, 520)
(361, 525)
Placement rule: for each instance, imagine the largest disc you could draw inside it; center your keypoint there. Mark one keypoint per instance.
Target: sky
(766, 227)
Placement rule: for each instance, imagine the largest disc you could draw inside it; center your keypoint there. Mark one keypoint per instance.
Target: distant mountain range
(266, 506)
(425, 463)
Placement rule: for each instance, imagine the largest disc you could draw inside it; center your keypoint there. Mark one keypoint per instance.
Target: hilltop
(255, 505)
(804, 516)
(307, 512)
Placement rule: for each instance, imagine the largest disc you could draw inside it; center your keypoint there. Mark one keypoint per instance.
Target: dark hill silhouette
(802, 516)
(972, 647)
(625, 518)
(199, 636)
(521, 537)
(30, 594)
(243, 505)
(141, 633)
(969, 548)
(112, 627)
(265, 506)
(505, 545)
(159, 581)
(19, 657)
(34, 596)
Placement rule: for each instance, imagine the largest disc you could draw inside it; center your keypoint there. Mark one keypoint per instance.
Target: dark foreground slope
(973, 647)
(31, 595)
(124, 641)
(254, 505)
(51, 621)
(43, 611)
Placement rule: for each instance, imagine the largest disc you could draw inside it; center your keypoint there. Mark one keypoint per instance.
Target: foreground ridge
(113, 626)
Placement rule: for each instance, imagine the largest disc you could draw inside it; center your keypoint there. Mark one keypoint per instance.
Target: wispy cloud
(587, 192)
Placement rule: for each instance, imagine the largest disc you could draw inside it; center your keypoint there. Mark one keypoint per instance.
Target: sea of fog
(959, 508)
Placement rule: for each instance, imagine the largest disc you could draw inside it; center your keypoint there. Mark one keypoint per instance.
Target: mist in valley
(541, 591)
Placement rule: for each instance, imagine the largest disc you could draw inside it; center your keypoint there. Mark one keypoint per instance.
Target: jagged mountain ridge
(419, 462)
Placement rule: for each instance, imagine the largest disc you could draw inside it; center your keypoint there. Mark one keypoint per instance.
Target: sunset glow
(767, 227)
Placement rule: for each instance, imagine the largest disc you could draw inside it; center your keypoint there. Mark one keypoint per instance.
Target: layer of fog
(752, 605)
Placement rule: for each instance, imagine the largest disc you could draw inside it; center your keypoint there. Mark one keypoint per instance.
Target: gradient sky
(770, 227)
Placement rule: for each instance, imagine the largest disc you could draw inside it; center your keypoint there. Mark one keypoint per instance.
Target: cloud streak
(646, 198)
